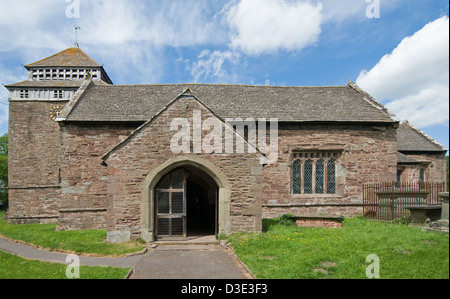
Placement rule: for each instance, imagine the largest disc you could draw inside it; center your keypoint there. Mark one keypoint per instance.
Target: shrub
(402, 220)
(287, 220)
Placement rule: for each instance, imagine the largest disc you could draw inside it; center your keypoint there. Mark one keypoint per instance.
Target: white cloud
(126, 35)
(424, 109)
(7, 76)
(212, 65)
(111, 22)
(342, 10)
(108, 22)
(173, 23)
(266, 26)
(338, 11)
(24, 11)
(29, 25)
(414, 77)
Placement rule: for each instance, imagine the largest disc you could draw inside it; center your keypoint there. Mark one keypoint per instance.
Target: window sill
(313, 200)
(309, 196)
(312, 204)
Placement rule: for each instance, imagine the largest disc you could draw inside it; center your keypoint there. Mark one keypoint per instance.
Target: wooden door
(170, 197)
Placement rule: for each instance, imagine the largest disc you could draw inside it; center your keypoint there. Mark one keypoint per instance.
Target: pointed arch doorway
(185, 205)
(185, 197)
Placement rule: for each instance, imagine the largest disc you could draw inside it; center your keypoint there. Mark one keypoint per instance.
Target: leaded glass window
(308, 177)
(319, 177)
(297, 177)
(314, 172)
(331, 177)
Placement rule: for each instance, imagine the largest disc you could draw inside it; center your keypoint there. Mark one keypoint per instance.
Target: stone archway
(194, 162)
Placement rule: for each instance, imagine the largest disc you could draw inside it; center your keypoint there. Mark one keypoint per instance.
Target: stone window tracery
(314, 172)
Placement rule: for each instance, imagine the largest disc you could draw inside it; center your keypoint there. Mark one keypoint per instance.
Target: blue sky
(397, 50)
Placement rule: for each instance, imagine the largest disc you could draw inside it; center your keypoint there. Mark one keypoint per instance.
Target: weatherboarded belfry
(155, 161)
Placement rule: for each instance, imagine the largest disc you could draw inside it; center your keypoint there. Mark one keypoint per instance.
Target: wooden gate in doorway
(171, 214)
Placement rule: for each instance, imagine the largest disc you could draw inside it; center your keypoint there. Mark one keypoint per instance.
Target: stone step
(190, 240)
(188, 247)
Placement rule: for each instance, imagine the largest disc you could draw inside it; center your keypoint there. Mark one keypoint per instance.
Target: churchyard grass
(291, 252)
(91, 242)
(14, 267)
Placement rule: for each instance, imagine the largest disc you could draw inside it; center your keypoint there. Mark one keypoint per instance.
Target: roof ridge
(74, 101)
(372, 101)
(225, 85)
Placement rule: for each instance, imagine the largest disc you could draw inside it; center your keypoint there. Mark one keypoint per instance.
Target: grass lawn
(45, 236)
(90, 242)
(14, 267)
(291, 252)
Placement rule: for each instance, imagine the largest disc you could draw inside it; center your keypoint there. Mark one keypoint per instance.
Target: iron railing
(388, 201)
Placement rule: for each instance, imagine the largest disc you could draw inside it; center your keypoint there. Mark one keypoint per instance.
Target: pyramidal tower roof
(71, 57)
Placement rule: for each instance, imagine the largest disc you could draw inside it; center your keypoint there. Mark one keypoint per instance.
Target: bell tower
(34, 136)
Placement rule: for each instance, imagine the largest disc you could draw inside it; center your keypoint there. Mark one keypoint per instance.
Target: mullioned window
(314, 172)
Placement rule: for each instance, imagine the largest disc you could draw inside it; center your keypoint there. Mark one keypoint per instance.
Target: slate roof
(71, 57)
(411, 139)
(404, 159)
(47, 84)
(288, 104)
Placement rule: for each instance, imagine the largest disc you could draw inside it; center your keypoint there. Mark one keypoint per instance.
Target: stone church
(166, 161)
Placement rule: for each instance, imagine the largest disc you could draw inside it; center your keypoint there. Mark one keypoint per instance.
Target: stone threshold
(193, 240)
(185, 247)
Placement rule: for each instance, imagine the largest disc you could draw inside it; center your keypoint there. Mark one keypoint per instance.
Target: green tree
(4, 169)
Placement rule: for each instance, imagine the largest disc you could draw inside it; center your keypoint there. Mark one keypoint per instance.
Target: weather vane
(76, 35)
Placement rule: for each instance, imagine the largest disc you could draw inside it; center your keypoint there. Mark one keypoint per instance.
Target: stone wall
(33, 162)
(318, 223)
(130, 163)
(33, 205)
(83, 178)
(435, 166)
(367, 154)
(86, 195)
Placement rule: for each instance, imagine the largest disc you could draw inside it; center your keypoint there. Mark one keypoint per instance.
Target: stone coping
(339, 219)
(424, 207)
